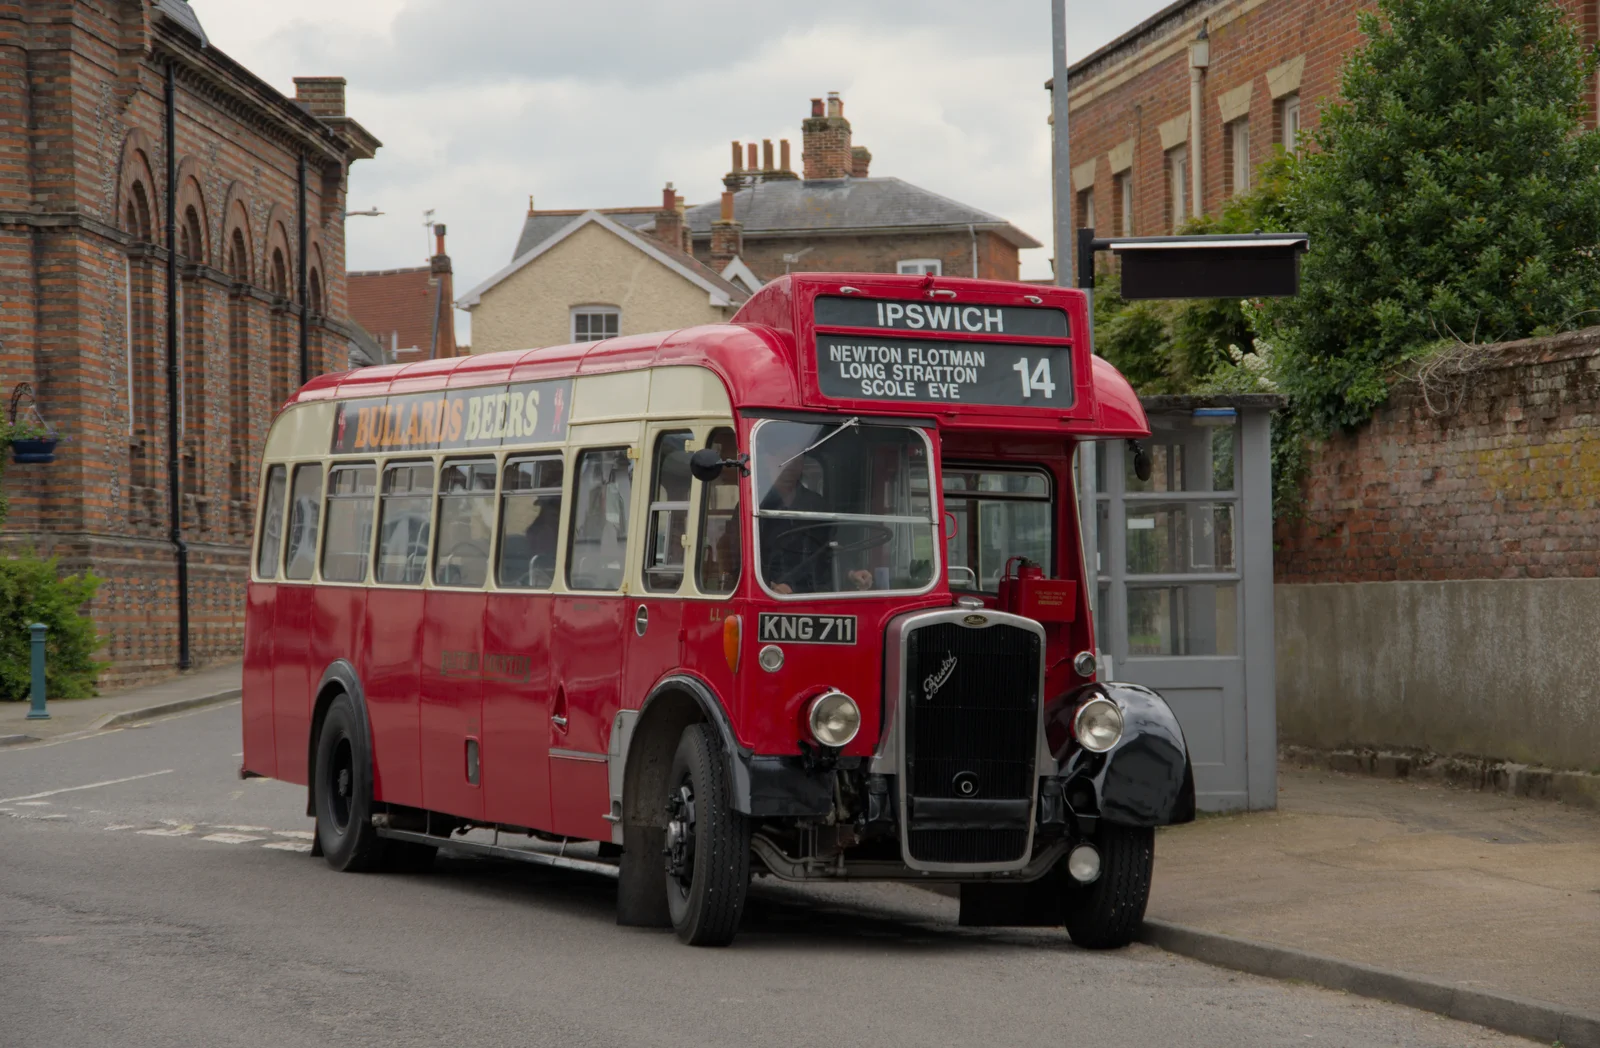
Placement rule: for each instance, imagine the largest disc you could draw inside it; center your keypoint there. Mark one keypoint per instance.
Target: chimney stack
(438, 244)
(444, 325)
(825, 141)
(321, 96)
(727, 235)
(671, 230)
(860, 160)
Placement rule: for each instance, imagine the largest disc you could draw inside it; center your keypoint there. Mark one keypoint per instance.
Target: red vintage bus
(800, 595)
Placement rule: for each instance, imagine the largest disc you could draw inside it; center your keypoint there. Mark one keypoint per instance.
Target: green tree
(1451, 195)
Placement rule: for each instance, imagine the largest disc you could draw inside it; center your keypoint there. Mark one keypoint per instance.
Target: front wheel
(707, 843)
(1106, 913)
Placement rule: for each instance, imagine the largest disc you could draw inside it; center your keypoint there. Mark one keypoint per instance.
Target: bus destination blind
(471, 417)
(910, 362)
(865, 367)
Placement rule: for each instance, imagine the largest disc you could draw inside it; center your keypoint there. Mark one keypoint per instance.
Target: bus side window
(597, 552)
(669, 513)
(406, 510)
(717, 562)
(466, 524)
(349, 515)
(305, 509)
(271, 525)
(530, 518)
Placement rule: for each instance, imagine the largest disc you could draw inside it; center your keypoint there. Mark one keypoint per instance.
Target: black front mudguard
(1145, 779)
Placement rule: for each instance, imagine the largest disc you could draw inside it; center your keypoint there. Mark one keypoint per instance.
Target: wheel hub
(680, 834)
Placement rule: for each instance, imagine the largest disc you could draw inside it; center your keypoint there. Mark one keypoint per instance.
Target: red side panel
(259, 754)
(392, 677)
(451, 710)
(590, 634)
(291, 683)
(517, 691)
(338, 614)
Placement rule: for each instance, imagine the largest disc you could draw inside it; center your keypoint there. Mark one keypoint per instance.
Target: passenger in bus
(796, 556)
(541, 542)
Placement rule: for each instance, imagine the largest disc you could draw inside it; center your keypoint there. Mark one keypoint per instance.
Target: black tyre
(707, 843)
(342, 792)
(1106, 913)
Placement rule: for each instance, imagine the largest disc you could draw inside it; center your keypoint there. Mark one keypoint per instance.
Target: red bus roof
(765, 356)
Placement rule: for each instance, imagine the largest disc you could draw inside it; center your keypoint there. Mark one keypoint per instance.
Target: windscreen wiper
(846, 424)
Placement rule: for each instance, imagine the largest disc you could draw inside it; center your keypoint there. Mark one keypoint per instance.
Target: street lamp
(370, 212)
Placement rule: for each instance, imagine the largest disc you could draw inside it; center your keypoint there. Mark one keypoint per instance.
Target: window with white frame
(1289, 122)
(593, 323)
(1239, 156)
(1086, 209)
(919, 266)
(1178, 185)
(1125, 201)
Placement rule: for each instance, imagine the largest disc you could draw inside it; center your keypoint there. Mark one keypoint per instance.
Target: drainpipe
(1199, 60)
(305, 345)
(174, 487)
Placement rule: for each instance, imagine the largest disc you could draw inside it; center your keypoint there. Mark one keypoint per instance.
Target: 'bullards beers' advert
(915, 364)
(472, 417)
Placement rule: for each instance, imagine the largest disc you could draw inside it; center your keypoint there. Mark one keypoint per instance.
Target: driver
(796, 554)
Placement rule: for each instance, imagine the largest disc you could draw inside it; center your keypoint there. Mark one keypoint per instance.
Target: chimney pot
(766, 154)
(835, 104)
(669, 198)
(727, 206)
(738, 158)
(438, 238)
(816, 107)
(751, 162)
(783, 154)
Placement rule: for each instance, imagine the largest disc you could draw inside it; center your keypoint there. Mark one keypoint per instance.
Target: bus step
(538, 857)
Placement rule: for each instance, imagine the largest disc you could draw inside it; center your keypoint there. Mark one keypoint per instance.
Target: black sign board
(941, 316)
(870, 367)
(1255, 265)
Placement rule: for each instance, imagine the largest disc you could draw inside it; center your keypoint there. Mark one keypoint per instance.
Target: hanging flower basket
(33, 440)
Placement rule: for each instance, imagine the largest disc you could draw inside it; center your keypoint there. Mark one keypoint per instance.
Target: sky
(599, 103)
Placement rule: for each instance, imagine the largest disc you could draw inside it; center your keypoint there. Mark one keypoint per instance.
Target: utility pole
(1065, 242)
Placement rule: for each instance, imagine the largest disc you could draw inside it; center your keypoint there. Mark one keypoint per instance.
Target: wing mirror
(1141, 460)
(707, 464)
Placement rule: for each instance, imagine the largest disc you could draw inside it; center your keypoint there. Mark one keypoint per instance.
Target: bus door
(657, 622)
(518, 677)
(590, 628)
(451, 715)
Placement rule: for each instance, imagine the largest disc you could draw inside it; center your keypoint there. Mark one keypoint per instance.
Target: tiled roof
(540, 226)
(853, 204)
(398, 302)
(180, 12)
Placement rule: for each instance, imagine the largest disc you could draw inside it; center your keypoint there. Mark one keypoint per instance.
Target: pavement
(151, 899)
(1418, 889)
(73, 716)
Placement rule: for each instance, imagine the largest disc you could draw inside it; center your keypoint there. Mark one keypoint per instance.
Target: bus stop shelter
(1184, 595)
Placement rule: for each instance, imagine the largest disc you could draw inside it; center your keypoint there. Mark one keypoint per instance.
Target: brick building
(410, 313)
(1185, 106)
(88, 225)
(836, 217)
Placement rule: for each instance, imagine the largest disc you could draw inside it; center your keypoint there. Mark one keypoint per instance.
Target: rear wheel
(707, 843)
(1106, 913)
(342, 790)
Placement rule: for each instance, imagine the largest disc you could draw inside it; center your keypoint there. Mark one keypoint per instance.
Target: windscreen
(844, 507)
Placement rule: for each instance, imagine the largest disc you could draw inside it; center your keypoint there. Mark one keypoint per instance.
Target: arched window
(192, 382)
(314, 293)
(278, 283)
(239, 474)
(144, 427)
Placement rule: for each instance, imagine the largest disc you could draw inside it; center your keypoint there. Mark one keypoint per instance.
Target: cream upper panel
(306, 430)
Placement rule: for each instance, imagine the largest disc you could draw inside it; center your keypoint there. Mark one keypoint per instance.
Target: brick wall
(83, 265)
(1503, 483)
(1123, 95)
(997, 257)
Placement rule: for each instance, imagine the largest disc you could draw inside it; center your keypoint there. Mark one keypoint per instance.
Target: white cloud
(481, 102)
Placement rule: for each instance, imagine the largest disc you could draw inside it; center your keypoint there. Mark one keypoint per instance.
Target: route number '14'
(1036, 379)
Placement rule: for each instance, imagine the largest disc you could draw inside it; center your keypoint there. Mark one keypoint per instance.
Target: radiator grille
(972, 716)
